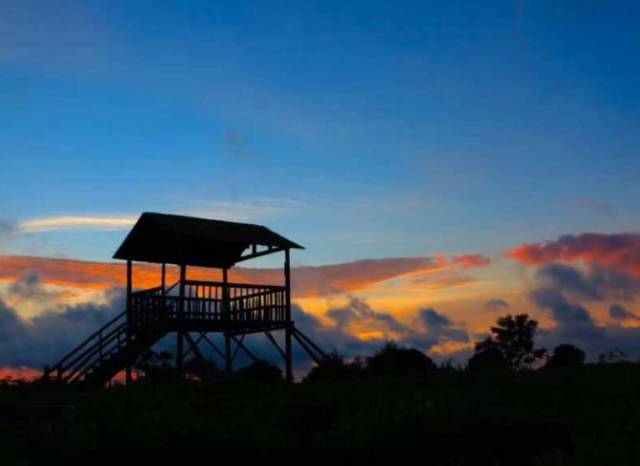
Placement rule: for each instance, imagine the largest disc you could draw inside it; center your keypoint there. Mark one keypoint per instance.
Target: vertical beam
(163, 279)
(180, 332)
(227, 314)
(129, 314)
(287, 335)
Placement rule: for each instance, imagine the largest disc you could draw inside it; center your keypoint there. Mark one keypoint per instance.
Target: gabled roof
(177, 239)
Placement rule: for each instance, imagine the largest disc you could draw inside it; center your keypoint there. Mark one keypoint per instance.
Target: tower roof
(178, 239)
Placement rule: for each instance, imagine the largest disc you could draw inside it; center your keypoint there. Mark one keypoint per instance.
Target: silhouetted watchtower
(191, 307)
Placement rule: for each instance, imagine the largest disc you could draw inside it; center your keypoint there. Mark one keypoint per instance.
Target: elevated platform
(251, 308)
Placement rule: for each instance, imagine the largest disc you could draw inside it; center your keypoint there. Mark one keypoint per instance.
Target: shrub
(565, 356)
(391, 359)
(335, 369)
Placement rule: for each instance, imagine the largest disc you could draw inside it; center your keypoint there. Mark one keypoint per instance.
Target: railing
(206, 301)
(98, 346)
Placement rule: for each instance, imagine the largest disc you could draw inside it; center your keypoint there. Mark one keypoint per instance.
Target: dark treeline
(512, 404)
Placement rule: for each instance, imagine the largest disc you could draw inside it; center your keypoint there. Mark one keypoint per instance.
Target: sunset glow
(442, 166)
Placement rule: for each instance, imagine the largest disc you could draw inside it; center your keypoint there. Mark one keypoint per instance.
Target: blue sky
(373, 129)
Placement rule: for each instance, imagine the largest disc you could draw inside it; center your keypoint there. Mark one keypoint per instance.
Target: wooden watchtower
(190, 307)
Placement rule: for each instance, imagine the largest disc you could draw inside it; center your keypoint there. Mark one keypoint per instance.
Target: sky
(443, 163)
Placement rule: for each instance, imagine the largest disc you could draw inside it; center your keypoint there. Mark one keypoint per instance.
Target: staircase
(105, 353)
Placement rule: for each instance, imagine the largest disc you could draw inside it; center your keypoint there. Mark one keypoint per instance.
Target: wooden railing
(206, 300)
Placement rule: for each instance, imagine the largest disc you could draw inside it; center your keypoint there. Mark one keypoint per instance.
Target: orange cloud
(307, 281)
(471, 260)
(20, 373)
(618, 250)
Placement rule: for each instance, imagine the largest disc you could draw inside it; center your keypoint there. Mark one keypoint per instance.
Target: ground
(585, 416)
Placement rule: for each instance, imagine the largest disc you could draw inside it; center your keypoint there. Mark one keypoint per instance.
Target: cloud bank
(619, 250)
(46, 338)
(307, 281)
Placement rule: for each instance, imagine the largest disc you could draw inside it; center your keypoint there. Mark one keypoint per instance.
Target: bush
(566, 356)
(489, 359)
(262, 371)
(391, 359)
(335, 369)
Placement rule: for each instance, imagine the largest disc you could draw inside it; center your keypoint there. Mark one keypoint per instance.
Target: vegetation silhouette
(488, 359)
(335, 369)
(156, 366)
(395, 407)
(566, 355)
(261, 371)
(393, 360)
(614, 355)
(513, 338)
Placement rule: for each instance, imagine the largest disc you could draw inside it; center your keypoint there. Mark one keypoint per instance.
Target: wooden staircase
(105, 353)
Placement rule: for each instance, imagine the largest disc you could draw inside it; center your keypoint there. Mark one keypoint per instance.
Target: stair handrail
(171, 287)
(77, 364)
(61, 363)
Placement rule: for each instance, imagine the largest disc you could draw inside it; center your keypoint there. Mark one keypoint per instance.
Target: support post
(163, 279)
(289, 324)
(128, 377)
(180, 333)
(227, 314)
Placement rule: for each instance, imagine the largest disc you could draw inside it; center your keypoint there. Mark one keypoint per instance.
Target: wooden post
(180, 332)
(227, 314)
(164, 277)
(288, 325)
(128, 377)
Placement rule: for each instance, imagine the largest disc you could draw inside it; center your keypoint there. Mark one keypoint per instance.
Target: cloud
(619, 250)
(430, 282)
(429, 329)
(593, 282)
(7, 228)
(20, 372)
(471, 260)
(70, 223)
(307, 281)
(357, 311)
(618, 312)
(574, 320)
(243, 211)
(30, 287)
(46, 338)
(439, 327)
(599, 207)
(559, 291)
(496, 304)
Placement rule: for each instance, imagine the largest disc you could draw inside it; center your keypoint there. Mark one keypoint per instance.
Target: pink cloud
(471, 260)
(618, 250)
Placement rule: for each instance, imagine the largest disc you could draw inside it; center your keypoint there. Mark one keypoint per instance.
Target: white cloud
(71, 223)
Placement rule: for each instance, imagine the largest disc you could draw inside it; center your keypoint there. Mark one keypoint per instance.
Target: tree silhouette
(335, 368)
(391, 359)
(512, 336)
(488, 359)
(614, 355)
(565, 356)
(157, 366)
(204, 370)
(262, 371)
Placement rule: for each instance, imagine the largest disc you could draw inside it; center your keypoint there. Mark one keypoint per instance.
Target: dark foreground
(584, 416)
